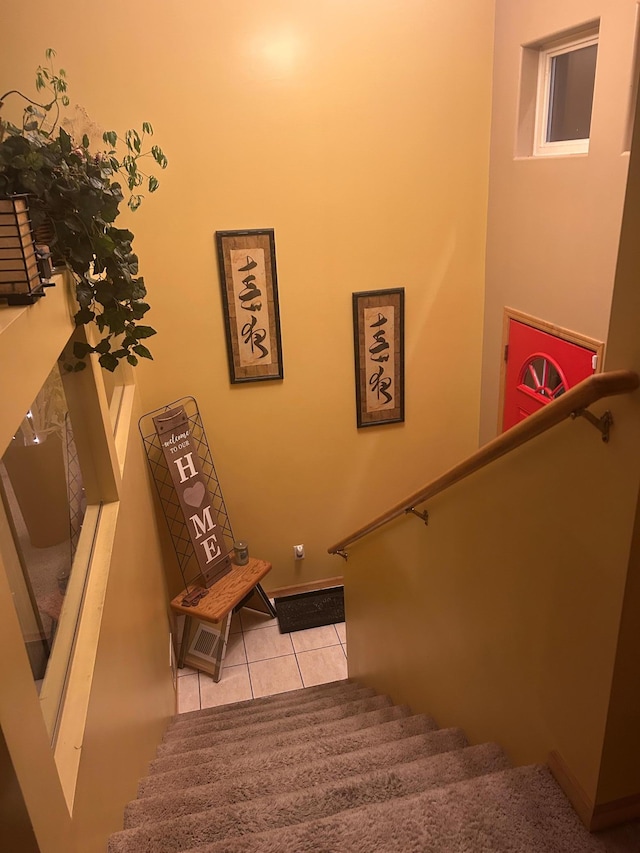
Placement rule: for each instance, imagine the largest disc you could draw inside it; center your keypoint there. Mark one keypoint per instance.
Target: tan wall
(502, 616)
(131, 693)
(554, 221)
(515, 613)
(330, 123)
(620, 771)
(350, 146)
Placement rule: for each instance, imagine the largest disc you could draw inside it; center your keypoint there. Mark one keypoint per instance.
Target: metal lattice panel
(166, 492)
(75, 489)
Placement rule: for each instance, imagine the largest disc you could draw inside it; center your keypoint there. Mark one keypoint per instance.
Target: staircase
(339, 768)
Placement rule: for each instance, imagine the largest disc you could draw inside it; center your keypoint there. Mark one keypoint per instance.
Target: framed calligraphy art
(247, 262)
(378, 332)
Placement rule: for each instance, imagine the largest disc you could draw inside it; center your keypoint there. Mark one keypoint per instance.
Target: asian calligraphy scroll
(181, 456)
(250, 297)
(378, 326)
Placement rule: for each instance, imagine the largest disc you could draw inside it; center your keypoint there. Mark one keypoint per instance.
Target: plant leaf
(143, 332)
(133, 141)
(142, 351)
(83, 316)
(158, 156)
(81, 349)
(108, 361)
(65, 141)
(139, 309)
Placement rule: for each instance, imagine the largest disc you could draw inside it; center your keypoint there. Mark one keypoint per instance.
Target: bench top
(225, 593)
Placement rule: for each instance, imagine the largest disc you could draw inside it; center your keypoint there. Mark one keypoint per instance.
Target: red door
(540, 367)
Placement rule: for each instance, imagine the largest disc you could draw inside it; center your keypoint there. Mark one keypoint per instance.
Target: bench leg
(222, 647)
(258, 600)
(184, 642)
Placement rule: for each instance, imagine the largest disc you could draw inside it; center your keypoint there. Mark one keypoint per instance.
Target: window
(60, 463)
(566, 81)
(44, 500)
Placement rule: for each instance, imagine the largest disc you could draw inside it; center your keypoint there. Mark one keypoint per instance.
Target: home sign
(181, 455)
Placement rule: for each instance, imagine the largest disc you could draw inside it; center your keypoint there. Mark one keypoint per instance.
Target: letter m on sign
(202, 525)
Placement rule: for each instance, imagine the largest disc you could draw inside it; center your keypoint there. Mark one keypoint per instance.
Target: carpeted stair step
(335, 769)
(285, 809)
(274, 712)
(399, 742)
(281, 739)
(228, 731)
(293, 699)
(289, 706)
(251, 775)
(275, 724)
(514, 811)
(302, 694)
(289, 716)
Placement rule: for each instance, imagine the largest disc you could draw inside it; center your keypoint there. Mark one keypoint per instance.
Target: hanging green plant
(76, 194)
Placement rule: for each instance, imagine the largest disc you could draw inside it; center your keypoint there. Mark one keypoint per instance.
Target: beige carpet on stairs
(338, 768)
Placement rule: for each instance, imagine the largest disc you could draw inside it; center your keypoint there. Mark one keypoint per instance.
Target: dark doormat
(310, 609)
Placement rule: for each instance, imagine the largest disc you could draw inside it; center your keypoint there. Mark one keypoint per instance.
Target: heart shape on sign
(194, 495)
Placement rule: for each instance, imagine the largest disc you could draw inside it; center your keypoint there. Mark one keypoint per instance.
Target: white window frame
(541, 147)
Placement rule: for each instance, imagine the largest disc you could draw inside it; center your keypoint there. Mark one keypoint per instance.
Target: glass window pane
(571, 96)
(43, 496)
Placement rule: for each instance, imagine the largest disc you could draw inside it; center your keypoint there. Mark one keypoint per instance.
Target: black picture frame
(378, 335)
(249, 284)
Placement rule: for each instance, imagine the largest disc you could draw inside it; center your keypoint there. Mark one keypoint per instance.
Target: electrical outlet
(298, 552)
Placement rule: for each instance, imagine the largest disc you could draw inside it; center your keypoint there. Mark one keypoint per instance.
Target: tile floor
(260, 661)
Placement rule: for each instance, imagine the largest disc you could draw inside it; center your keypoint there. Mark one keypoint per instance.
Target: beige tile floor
(260, 661)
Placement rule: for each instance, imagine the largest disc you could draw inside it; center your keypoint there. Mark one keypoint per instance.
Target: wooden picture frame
(378, 335)
(247, 264)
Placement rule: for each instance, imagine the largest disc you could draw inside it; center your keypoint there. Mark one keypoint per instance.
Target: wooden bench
(240, 588)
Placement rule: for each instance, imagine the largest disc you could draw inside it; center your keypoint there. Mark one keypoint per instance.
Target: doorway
(540, 363)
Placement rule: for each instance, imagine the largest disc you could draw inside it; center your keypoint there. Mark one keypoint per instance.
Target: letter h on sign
(187, 469)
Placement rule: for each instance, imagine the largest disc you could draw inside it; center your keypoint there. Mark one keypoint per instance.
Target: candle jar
(241, 553)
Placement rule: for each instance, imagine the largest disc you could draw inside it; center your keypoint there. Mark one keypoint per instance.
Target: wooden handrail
(574, 402)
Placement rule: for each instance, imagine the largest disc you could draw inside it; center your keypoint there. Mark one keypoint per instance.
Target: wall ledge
(310, 586)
